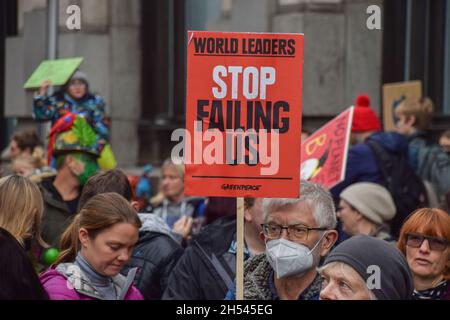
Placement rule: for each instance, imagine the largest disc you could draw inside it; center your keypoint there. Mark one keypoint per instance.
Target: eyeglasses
(297, 232)
(415, 240)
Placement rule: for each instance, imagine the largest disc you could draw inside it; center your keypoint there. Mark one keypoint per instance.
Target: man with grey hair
(297, 233)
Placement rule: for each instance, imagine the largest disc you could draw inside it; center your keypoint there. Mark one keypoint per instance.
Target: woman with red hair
(425, 241)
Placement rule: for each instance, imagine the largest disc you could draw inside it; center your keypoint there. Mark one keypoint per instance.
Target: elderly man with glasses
(297, 234)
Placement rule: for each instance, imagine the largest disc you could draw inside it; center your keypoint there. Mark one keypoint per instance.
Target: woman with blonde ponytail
(94, 248)
(427, 159)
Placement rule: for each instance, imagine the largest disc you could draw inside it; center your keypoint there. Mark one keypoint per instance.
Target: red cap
(364, 118)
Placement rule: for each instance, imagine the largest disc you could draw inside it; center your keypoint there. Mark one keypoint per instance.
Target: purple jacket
(67, 282)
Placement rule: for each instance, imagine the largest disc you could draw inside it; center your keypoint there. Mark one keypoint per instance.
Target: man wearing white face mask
(297, 233)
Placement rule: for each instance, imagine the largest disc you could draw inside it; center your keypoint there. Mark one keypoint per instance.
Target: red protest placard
(243, 117)
(324, 154)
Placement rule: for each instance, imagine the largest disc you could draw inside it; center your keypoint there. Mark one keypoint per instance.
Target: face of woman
(172, 185)
(425, 262)
(348, 217)
(108, 252)
(77, 89)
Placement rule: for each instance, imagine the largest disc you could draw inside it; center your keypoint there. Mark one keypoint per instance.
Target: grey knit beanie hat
(372, 200)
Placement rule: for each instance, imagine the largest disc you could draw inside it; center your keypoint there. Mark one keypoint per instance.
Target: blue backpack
(405, 186)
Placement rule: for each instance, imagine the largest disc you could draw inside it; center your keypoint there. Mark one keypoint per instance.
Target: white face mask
(288, 258)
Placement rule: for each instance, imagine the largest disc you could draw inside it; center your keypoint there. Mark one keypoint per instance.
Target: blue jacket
(92, 107)
(361, 162)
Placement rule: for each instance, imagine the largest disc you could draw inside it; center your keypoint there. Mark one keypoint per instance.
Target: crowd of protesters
(382, 233)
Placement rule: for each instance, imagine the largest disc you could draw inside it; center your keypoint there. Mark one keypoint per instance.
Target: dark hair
(19, 280)
(107, 181)
(27, 139)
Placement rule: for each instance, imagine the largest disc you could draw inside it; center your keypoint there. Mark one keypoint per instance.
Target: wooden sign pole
(240, 249)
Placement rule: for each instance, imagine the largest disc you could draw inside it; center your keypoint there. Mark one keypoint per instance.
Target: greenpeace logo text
(244, 187)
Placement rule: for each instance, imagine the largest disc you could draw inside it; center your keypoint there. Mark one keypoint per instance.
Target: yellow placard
(393, 94)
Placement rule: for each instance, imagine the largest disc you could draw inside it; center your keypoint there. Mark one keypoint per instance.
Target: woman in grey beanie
(366, 268)
(366, 208)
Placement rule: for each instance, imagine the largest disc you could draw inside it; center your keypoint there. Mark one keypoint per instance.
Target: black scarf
(435, 293)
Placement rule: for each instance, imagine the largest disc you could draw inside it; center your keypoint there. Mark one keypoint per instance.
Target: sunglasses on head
(436, 243)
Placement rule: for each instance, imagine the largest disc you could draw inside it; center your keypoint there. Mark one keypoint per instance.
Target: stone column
(125, 79)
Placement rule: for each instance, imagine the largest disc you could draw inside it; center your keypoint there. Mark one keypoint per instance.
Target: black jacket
(154, 255)
(196, 276)
(58, 214)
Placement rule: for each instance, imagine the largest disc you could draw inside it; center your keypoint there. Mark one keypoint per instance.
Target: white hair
(316, 196)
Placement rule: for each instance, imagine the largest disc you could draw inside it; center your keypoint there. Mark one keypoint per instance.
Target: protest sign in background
(393, 95)
(240, 87)
(57, 71)
(324, 153)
